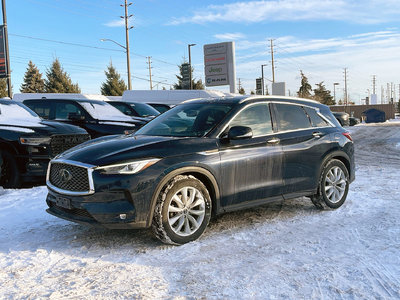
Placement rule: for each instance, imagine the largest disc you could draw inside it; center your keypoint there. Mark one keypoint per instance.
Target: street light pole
(7, 52)
(190, 67)
(334, 90)
(262, 80)
(127, 60)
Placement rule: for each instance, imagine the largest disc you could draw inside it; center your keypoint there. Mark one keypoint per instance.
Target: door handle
(273, 141)
(317, 134)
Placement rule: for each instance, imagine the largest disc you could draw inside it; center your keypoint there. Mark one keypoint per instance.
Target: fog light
(122, 216)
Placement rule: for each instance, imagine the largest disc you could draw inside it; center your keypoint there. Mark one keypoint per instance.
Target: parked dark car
(27, 143)
(97, 117)
(136, 109)
(203, 158)
(343, 118)
(354, 121)
(161, 107)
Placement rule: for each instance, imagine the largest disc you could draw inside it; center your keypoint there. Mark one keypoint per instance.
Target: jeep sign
(219, 65)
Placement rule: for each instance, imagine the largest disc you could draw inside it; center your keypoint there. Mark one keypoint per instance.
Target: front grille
(61, 143)
(69, 177)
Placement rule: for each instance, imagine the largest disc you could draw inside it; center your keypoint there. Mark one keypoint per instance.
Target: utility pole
(240, 85)
(373, 84)
(345, 87)
(272, 60)
(149, 63)
(5, 37)
(388, 92)
(127, 28)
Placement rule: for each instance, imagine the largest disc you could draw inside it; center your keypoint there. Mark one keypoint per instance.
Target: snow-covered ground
(286, 250)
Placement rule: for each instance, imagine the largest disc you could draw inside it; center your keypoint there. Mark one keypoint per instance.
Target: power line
(87, 46)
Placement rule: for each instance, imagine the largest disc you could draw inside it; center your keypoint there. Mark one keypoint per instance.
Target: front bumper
(113, 210)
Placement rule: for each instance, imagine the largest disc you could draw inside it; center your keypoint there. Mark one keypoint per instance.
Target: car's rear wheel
(9, 173)
(182, 211)
(333, 186)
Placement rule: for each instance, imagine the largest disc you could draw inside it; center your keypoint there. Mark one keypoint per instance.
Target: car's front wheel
(182, 211)
(333, 186)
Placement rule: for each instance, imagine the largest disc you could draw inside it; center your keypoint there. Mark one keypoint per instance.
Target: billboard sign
(3, 68)
(219, 65)
(258, 86)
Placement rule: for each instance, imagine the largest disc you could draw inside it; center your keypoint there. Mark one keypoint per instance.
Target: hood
(40, 127)
(114, 149)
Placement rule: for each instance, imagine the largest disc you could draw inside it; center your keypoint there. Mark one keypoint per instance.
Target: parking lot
(281, 250)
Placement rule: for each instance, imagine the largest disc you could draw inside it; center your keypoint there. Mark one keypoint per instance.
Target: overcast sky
(316, 36)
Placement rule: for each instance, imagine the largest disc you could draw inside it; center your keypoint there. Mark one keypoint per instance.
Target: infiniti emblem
(65, 175)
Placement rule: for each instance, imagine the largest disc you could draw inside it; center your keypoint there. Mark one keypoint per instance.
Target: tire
(176, 220)
(9, 173)
(333, 186)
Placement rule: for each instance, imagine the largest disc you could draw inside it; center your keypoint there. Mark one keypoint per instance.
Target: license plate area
(63, 202)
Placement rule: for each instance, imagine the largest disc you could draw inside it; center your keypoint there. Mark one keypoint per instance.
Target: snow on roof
(24, 96)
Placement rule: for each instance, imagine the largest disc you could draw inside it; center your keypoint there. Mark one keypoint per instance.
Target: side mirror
(240, 133)
(75, 117)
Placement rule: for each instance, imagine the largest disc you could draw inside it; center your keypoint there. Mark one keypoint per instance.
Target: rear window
(41, 108)
(291, 117)
(316, 119)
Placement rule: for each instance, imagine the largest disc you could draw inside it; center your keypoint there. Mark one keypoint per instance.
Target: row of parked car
(35, 130)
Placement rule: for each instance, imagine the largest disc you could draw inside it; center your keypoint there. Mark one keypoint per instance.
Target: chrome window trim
(279, 102)
(90, 169)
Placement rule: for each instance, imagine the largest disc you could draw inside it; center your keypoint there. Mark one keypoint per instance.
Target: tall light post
(190, 67)
(262, 80)
(334, 90)
(127, 60)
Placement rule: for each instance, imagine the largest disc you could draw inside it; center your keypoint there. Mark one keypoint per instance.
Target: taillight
(347, 134)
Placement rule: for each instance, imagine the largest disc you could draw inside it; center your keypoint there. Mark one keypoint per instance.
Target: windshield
(144, 110)
(17, 113)
(187, 120)
(104, 111)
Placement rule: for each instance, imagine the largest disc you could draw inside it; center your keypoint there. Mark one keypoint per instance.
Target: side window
(316, 120)
(291, 117)
(122, 108)
(41, 108)
(64, 110)
(257, 117)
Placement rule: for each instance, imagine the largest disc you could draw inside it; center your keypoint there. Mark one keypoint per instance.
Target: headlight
(129, 167)
(34, 141)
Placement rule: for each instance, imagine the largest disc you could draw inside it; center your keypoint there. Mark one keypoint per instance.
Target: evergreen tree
(184, 85)
(33, 81)
(252, 93)
(321, 94)
(305, 88)
(114, 85)
(58, 81)
(241, 91)
(3, 88)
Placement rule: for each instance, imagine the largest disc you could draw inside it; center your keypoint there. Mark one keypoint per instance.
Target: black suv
(97, 117)
(135, 109)
(203, 158)
(27, 143)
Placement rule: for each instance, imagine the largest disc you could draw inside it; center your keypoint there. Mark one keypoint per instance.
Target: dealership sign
(219, 65)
